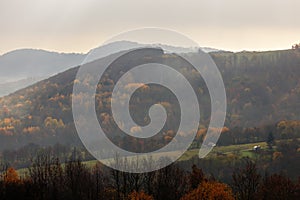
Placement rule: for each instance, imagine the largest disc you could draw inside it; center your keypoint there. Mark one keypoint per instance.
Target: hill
(24, 67)
(262, 88)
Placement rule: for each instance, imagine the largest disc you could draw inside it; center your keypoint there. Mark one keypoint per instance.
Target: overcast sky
(79, 25)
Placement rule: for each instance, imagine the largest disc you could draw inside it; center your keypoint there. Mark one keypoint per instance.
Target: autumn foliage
(139, 196)
(210, 190)
(11, 176)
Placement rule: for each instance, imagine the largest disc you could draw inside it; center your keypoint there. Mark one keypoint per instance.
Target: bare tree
(246, 181)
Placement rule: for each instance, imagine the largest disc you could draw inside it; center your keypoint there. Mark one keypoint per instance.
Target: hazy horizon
(78, 26)
(86, 52)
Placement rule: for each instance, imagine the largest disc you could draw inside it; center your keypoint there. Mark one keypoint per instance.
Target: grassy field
(244, 150)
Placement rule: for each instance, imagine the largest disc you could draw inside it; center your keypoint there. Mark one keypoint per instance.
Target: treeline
(47, 179)
(284, 131)
(275, 157)
(280, 131)
(23, 157)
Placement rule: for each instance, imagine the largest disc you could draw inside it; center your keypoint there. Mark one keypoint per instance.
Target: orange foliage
(7, 121)
(130, 86)
(225, 129)
(139, 196)
(201, 132)
(8, 130)
(168, 138)
(210, 191)
(277, 155)
(11, 176)
(19, 105)
(171, 133)
(31, 129)
(53, 123)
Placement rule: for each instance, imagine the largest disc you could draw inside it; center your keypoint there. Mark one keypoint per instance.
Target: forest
(42, 156)
(47, 178)
(263, 88)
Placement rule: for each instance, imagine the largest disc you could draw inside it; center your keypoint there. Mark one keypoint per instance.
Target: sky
(80, 25)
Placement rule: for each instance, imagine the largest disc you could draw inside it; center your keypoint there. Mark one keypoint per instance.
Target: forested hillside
(263, 88)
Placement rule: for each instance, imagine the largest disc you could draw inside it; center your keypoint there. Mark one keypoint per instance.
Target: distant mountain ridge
(26, 63)
(115, 47)
(21, 68)
(31, 64)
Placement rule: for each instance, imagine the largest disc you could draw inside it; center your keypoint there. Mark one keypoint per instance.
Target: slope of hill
(9, 87)
(262, 88)
(25, 63)
(24, 67)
